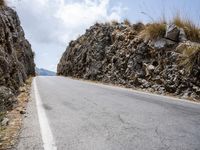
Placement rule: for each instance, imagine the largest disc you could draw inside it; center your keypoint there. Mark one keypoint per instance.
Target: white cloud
(59, 21)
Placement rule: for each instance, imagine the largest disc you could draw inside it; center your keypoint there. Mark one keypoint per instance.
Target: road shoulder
(30, 137)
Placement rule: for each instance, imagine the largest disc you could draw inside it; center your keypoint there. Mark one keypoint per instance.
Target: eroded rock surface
(116, 53)
(16, 57)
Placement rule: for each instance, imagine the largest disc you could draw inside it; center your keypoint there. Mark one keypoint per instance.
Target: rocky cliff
(16, 57)
(119, 53)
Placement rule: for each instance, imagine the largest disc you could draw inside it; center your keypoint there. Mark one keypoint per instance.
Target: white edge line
(47, 136)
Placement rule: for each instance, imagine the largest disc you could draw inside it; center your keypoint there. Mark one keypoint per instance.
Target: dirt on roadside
(10, 131)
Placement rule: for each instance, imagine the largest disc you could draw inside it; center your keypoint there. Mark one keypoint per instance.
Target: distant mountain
(44, 72)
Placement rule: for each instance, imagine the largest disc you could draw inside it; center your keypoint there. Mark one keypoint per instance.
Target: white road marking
(47, 136)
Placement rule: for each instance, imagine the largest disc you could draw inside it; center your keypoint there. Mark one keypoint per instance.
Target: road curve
(78, 115)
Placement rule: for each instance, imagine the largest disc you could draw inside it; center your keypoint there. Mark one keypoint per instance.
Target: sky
(50, 25)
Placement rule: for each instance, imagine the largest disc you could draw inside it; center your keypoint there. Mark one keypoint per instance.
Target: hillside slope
(118, 53)
(16, 57)
(44, 72)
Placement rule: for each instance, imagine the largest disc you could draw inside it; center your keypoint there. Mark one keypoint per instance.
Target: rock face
(118, 54)
(16, 57)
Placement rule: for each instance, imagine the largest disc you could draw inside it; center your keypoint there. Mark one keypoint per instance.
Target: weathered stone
(186, 95)
(5, 122)
(172, 32)
(163, 43)
(182, 36)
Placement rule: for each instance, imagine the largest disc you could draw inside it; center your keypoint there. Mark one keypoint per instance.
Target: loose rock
(5, 122)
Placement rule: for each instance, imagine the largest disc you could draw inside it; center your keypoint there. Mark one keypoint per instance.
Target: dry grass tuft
(158, 29)
(114, 22)
(2, 3)
(154, 30)
(191, 29)
(190, 57)
(127, 22)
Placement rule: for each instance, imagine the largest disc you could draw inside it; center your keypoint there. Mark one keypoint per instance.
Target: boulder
(172, 32)
(163, 43)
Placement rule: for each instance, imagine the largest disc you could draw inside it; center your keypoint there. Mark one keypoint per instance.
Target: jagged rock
(117, 54)
(186, 95)
(16, 57)
(172, 32)
(163, 43)
(5, 122)
(182, 36)
(7, 98)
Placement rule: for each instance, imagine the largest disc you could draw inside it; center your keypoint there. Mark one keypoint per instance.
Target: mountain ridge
(44, 72)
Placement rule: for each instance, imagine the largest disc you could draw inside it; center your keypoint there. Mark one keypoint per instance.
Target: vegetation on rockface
(157, 29)
(190, 57)
(2, 3)
(154, 30)
(190, 52)
(127, 22)
(191, 29)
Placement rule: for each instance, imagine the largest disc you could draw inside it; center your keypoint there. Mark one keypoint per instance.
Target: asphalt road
(67, 114)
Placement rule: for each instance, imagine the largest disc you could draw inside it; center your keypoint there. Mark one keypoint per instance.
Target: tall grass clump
(2, 3)
(192, 31)
(154, 30)
(127, 22)
(157, 29)
(190, 57)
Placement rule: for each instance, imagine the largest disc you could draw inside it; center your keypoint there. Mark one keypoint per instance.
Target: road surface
(66, 114)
